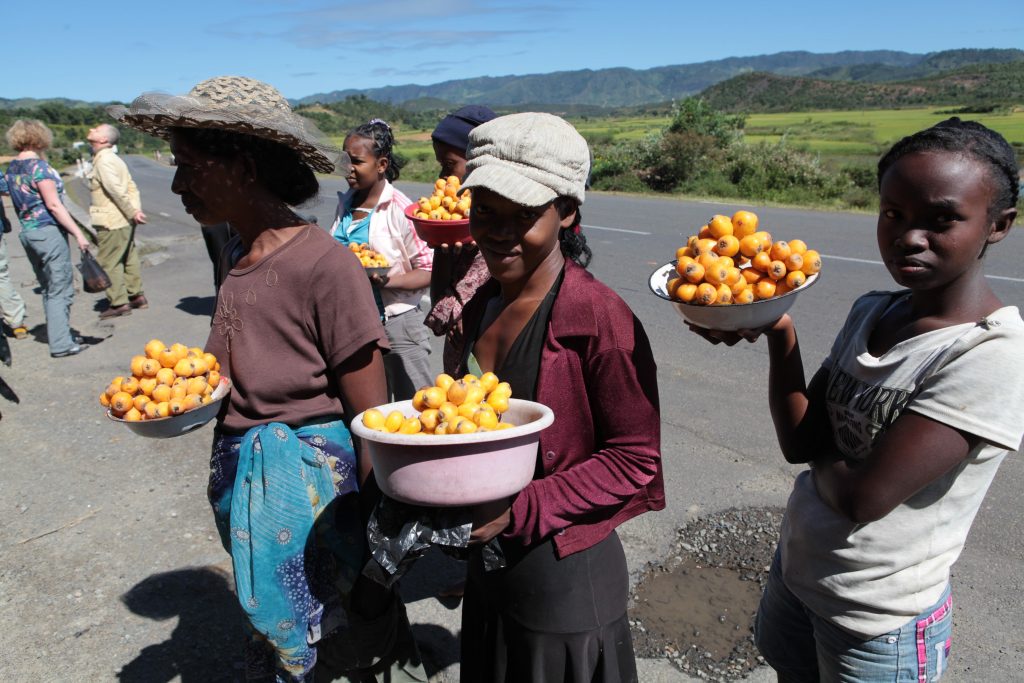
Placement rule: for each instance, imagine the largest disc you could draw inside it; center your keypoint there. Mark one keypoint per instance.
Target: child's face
(513, 239)
(933, 220)
(451, 159)
(367, 169)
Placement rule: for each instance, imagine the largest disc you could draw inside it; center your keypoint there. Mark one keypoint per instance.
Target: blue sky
(114, 51)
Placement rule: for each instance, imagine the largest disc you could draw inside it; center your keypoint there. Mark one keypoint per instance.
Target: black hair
(379, 133)
(571, 241)
(972, 139)
(277, 167)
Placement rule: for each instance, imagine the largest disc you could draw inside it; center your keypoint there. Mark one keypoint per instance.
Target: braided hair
(378, 132)
(968, 138)
(571, 240)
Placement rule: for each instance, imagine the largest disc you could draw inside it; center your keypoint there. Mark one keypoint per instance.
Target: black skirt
(545, 620)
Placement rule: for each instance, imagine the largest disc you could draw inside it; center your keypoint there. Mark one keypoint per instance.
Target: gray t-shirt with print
(873, 578)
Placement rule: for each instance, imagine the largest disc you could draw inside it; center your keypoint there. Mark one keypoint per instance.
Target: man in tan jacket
(115, 211)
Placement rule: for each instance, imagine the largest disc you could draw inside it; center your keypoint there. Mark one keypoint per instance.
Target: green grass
(840, 137)
(886, 126)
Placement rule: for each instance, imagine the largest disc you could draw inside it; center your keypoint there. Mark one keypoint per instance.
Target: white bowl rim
(811, 279)
(363, 432)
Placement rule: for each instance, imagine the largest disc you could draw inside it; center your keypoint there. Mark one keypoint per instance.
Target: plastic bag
(94, 278)
(399, 534)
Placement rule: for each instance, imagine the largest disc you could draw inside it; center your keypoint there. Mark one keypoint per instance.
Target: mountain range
(620, 87)
(757, 83)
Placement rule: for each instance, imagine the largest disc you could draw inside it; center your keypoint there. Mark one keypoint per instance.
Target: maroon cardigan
(602, 455)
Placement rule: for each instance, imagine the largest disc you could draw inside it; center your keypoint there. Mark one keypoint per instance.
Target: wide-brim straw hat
(237, 104)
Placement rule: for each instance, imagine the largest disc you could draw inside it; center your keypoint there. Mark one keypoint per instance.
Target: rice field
(838, 136)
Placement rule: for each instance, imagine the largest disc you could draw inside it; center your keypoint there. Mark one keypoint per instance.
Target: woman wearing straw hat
(302, 361)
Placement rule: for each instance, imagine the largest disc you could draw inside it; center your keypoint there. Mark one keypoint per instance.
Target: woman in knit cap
(458, 269)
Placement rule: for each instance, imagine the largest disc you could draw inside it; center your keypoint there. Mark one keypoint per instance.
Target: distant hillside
(979, 85)
(931, 65)
(624, 87)
(32, 103)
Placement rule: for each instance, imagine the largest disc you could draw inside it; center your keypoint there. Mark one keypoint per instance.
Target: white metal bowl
(456, 469)
(177, 425)
(733, 316)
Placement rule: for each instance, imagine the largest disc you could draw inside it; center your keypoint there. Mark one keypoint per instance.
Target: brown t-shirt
(284, 325)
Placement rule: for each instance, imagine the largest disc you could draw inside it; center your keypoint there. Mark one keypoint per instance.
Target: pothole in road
(697, 608)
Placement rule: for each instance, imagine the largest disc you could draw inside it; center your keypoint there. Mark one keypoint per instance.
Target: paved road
(135, 511)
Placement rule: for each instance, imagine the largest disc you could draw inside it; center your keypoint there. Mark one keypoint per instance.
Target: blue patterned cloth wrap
(267, 489)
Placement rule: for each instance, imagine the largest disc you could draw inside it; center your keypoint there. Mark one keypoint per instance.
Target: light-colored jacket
(393, 236)
(115, 198)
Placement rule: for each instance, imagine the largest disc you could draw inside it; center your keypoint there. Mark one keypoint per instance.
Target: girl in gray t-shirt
(903, 426)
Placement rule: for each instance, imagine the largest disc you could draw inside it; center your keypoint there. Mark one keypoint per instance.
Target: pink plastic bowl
(456, 469)
(436, 233)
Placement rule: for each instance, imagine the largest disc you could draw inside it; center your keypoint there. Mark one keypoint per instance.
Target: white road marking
(631, 232)
(879, 263)
(165, 214)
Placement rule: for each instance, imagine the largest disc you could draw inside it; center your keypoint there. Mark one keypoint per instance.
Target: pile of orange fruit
(451, 406)
(730, 261)
(445, 204)
(165, 381)
(368, 257)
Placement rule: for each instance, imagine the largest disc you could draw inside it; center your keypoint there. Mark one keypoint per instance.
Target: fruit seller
(302, 360)
(903, 426)
(557, 611)
(458, 268)
(373, 212)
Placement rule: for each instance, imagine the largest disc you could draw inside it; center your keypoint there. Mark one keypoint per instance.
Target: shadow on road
(39, 335)
(197, 305)
(208, 638)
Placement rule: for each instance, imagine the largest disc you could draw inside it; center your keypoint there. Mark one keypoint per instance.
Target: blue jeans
(803, 647)
(48, 252)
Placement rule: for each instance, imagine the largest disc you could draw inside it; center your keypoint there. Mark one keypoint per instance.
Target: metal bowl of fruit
(376, 270)
(456, 469)
(436, 233)
(183, 423)
(731, 317)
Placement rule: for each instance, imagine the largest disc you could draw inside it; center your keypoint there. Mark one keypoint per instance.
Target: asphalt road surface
(109, 563)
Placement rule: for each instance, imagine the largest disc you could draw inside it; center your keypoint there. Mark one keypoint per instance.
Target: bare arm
(413, 280)
(445, 258)
(798, 410)
(913, 452)
(363, 385)
(48, 191)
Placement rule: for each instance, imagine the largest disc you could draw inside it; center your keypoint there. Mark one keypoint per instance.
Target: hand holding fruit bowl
(166, 382)
(374, 263)
(730, 263)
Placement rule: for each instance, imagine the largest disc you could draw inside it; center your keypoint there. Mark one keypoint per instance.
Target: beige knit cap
(529, 158)
(237, 104)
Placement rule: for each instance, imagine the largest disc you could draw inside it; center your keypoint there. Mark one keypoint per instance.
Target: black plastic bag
(399, 534)
(94, 278)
